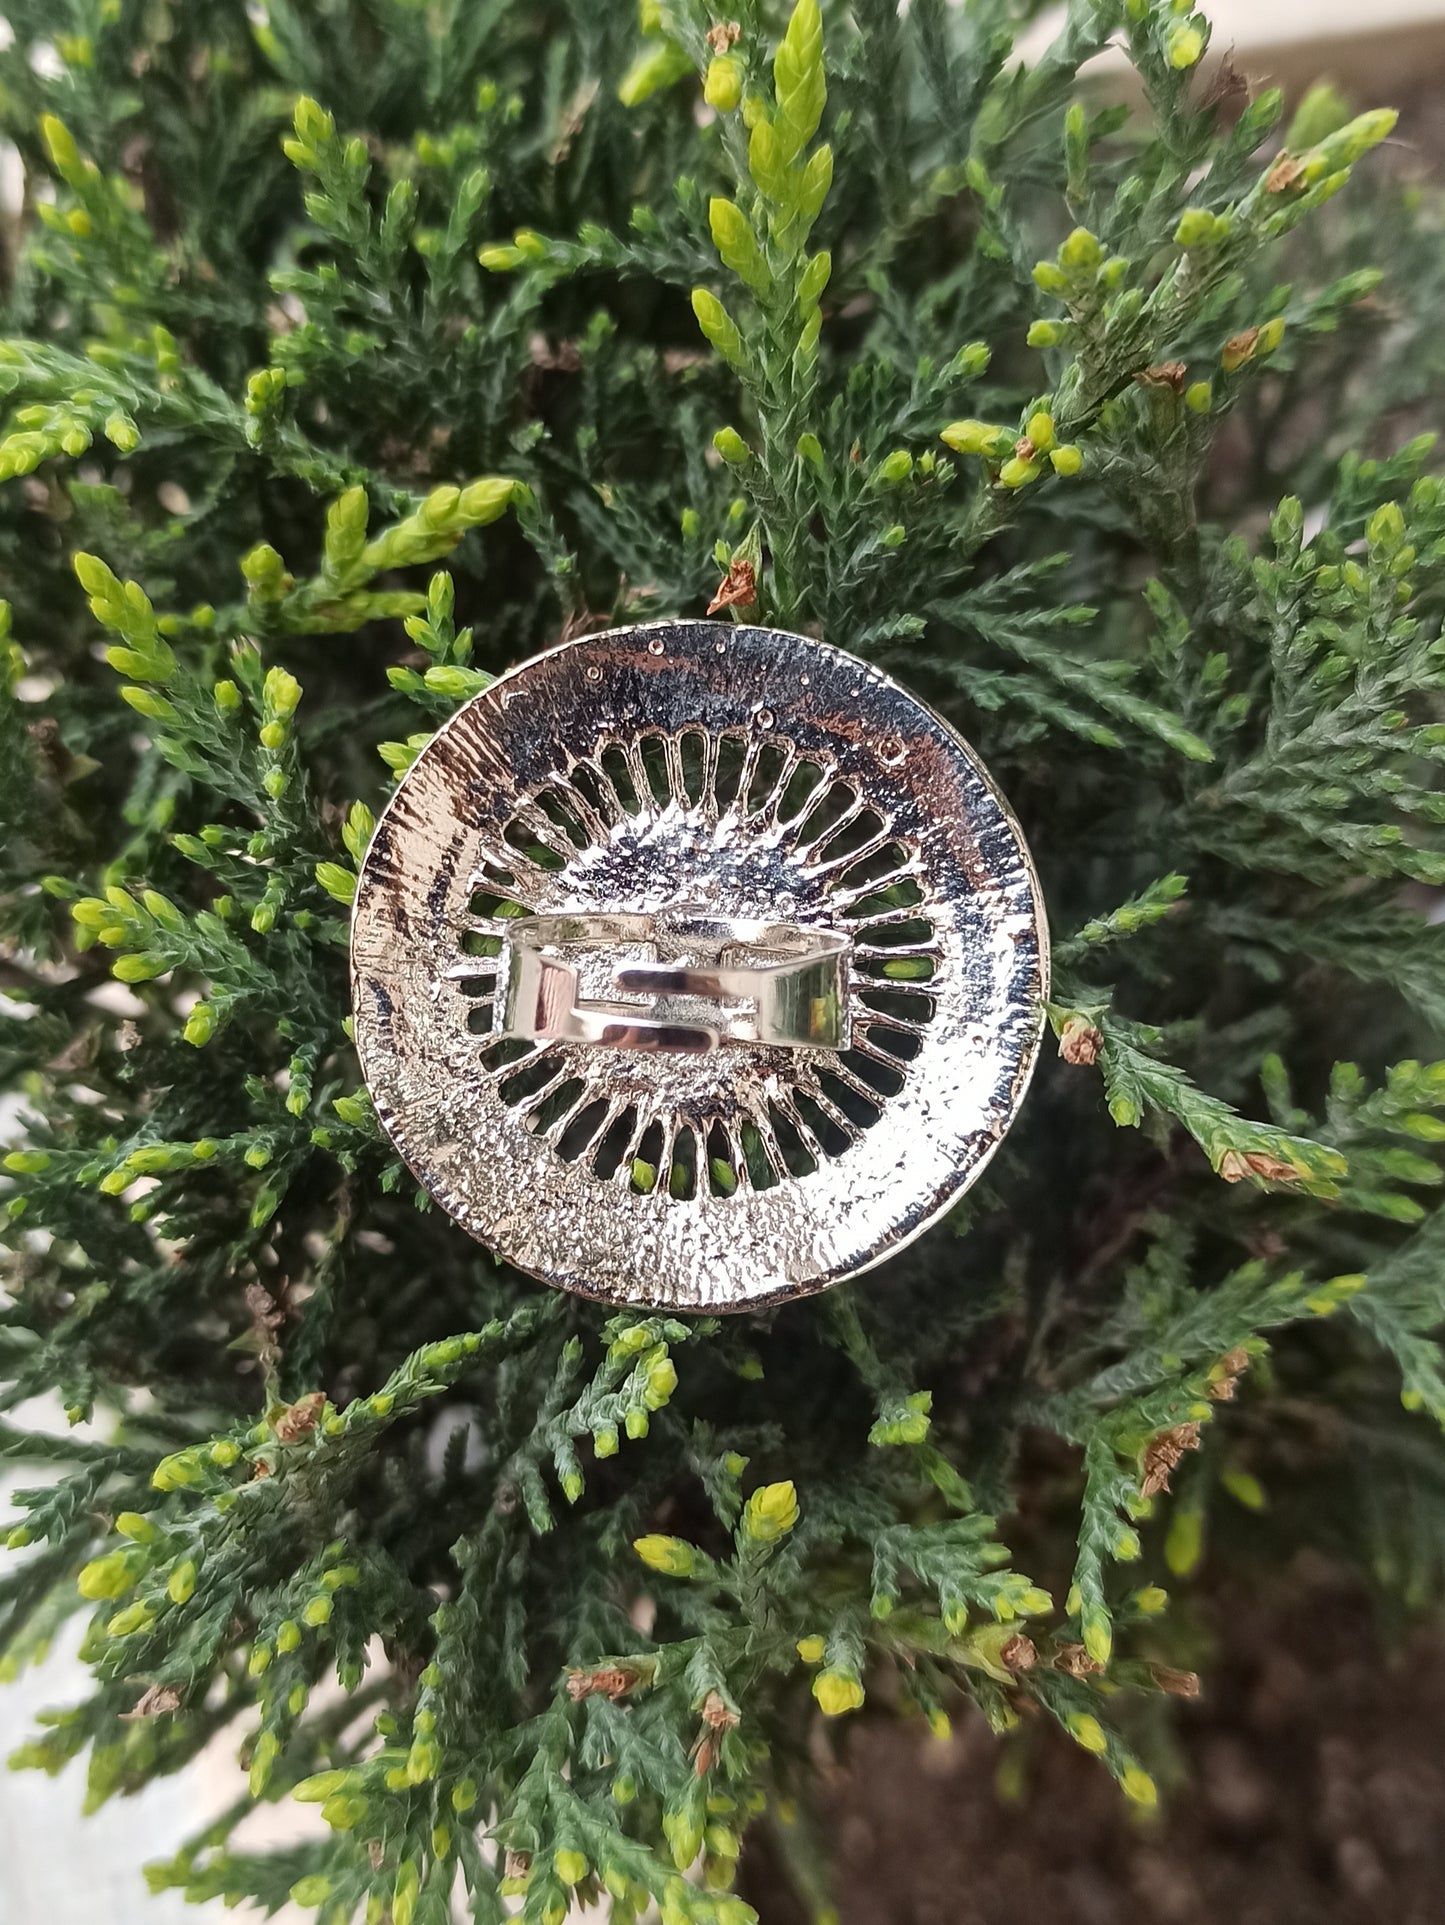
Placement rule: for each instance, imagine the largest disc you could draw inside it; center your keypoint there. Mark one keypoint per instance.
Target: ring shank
(708, 981)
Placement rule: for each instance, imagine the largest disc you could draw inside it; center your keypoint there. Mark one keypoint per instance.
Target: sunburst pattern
(807, 847)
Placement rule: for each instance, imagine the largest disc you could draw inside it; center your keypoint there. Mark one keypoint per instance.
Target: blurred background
(1315, 1756)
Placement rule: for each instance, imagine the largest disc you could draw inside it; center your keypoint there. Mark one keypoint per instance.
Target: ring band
(673, 981)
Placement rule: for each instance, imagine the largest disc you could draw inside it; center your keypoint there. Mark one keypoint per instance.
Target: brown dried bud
(737, 589)
(267, 1317)
(154, 1702)
(702, 1757)
(263, 1307)
(1238, 349)
(572, 121)
(725, 34)
(1274, 1169)
(516, 1864)
(1234, 1166)
(1074, 1659)
(1283, 175)
(1168, 374)
(1019, 1654)
(717, 1714)
(375, 1853)
(300, 1419)
(1080, 1042)
(1230, 1368)
(1227, 89)
(1179, 1684)
(612, 1681)
(1162, 1454)
(1024, 448)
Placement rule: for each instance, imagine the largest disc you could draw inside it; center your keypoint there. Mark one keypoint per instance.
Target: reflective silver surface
(721, 812)
(706, 981)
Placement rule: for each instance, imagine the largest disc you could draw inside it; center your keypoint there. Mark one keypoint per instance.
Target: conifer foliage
(354, 349)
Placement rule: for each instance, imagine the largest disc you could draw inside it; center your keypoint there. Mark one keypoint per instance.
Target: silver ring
(709, 770)
(679, 980)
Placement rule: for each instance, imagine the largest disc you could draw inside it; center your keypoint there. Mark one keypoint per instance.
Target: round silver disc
(700, 812)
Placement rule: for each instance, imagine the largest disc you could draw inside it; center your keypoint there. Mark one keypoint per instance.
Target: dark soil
(1309, 1789)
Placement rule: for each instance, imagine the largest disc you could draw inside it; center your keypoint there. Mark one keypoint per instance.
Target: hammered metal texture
(733, 772)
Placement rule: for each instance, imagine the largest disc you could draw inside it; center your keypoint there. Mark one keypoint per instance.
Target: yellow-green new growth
(977, 438)
(771, 1512)
(798, 78)
(737, 246)
(723, 84)
(1086, 1730)
(671, 1556)
(837, 1692)
(1185, 46)
(718, 326)
(108, 1577)
(570, 1866)
(654, 69)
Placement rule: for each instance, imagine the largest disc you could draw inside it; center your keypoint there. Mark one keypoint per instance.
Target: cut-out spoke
(798, 1159)
(887, 867)
(682, 1171)
(761, 1156)
(766, 778)
(898, 899)
(646, 1160)
(831, 806)
(855, 834)
(895, 925)
(850, 1096)
(583, 1126)
(691, 766)
(521, 1089)
(656, 764)
(889, 1042)
(598, 798)
(904, 1011)
(726, 1166)
(554, 1105)
(616, 766)
(732, 757)
(801, 787)
(871, 1067)
(561, 810)
(512, 1049)
(831, 1130)
(901, 965)
(614, 1143)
